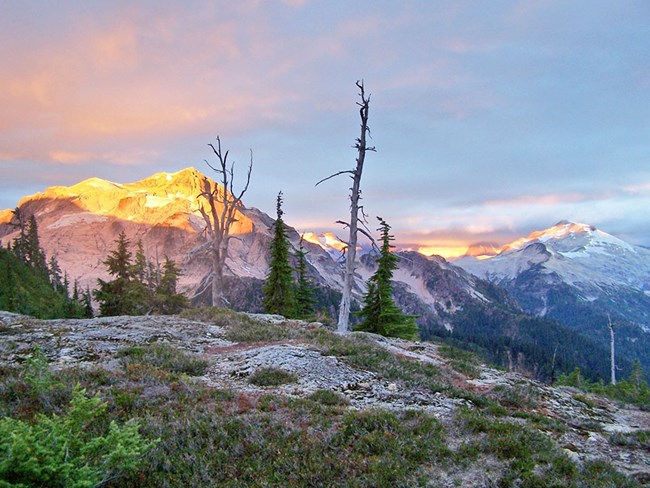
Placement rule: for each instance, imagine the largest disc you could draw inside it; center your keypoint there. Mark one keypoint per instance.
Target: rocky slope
(584, 427)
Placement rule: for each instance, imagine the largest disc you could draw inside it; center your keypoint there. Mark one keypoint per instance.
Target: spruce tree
(140, 266)
(34, 253)
(167, 299)
(380, 314)
(304, 291)
(279, 289)
(115, 296)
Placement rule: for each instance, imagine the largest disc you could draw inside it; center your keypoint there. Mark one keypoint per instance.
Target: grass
(272, 377)
(164, 356)
(532, 459)
(215, 437)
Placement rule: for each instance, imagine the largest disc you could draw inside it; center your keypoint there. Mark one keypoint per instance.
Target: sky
(490, 119)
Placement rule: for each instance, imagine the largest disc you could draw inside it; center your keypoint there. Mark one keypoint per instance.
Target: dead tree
(219, 215)
(355, 219)
(611, 348)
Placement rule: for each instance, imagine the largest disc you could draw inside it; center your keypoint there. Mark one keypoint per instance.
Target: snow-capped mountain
(579, 254)
(580, 276)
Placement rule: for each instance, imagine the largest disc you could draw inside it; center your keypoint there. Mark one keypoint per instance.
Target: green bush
(74, 450)
(328, 397)
(164, 356)
(272, 377)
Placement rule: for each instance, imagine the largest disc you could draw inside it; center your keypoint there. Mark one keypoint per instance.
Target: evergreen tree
(87, 304)
(304, 291)
(34, 254)
(279, 289)
(379, 314)
(118, 261)
(115, 297)
(55, 273)
(20, 243)
(167, 299)
(140, 266)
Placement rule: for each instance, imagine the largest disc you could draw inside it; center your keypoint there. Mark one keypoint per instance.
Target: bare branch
(223, 205)
(335, 174)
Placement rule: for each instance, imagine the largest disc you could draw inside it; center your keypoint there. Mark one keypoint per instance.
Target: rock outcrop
(585, 423)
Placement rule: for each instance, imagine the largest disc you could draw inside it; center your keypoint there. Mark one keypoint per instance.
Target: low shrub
(272, 377)
(77, 449)
(164, 356)
(329, 397)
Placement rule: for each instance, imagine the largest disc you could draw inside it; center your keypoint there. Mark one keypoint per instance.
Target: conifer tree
(87, 304)
(304, 291)
(55, 273)
(279, 289)
(167, 299)
(140, 265)
(34, 254)
(114, 296)
(380, 314)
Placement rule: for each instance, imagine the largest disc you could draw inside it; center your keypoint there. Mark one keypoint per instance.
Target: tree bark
(612, 350)
(219, 216)
(343, 326)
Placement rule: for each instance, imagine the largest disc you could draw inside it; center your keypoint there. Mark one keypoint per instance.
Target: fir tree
(304, 291)
(34, 254)
(118, 261)
(55, 273)
(140, 266)
(167, 299)
(379, 314)
(279, 289)
(115, 297)
(87, 304)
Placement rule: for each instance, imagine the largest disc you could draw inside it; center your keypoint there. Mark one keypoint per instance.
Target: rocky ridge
(588, 422)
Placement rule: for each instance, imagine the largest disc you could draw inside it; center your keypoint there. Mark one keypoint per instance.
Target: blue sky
(491, 119)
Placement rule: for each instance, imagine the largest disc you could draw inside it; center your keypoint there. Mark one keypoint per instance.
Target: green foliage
(328, 397)
(272, 377)
(28, 291)
(240, 327)
(305, 301)
(280, 289)
(532, 458)
(634, 390)
(379, 314)
(164, 356)
(136, 288)
(74, 450)
(214, 437)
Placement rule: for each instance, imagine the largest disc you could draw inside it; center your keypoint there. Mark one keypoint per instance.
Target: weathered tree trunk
(355, 195)
(219, 217)
(612, 349)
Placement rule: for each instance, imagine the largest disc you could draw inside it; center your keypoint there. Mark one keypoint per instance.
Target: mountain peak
(564, 229)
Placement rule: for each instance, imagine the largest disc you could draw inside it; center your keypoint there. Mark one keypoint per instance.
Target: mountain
(580, 276)
(79, 224)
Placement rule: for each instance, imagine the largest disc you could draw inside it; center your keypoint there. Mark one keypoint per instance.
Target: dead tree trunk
(219, 216)
(355, 195)
(612, 350)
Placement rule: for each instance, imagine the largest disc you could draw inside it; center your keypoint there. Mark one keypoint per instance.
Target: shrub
(328, 397)
(75, 450)
(166, 357)
(272, 377)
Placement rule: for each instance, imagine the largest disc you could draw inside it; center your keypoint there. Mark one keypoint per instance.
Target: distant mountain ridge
(580, 276)
(79, 223)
